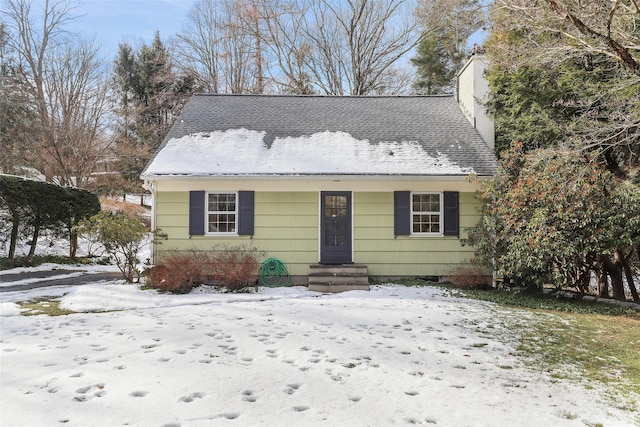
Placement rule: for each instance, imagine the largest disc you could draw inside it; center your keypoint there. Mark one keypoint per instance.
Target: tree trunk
(73, 244)
(34, 243)
(614, 270)
(603, 283)
(14, 237)
(629, 276)
(583, 280)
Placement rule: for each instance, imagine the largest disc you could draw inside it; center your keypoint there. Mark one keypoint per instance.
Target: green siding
(286, 227)
(388, 255)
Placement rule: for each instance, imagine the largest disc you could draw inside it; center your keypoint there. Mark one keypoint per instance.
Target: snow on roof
(244, 152)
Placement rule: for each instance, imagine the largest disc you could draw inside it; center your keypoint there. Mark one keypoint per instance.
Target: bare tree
(67, 85)
(198, 47)
(610, 28)
(305, 46)
(284, 28)
(356, 44)
(222, 45)
(241, 65)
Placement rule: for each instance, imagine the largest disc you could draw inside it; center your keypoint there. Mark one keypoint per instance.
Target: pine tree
(150, 96)
(447, 26)
(434, 68)
(15, 111)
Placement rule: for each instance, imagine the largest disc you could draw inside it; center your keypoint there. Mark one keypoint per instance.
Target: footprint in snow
(291, 388)
(191, 397)
(85, 393)
(249, 396)
(229, 416)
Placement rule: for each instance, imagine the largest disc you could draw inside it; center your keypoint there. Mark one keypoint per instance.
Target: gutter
(320, 177)
(151, 187)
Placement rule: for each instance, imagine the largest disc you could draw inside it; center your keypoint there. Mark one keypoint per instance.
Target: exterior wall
(287, 227)
(388, 255)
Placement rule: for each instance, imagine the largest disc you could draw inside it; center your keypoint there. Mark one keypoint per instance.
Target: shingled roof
(415, 127)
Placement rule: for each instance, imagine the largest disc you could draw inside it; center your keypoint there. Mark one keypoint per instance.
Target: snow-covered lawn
(278, 357)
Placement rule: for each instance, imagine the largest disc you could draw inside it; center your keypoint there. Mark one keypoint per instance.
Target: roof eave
(352, 177)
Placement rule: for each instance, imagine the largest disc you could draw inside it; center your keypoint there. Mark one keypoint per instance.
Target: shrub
(236, 267)
(121, 237)
(179, 271)
(470, 276)
(233, 267)
(28, 208)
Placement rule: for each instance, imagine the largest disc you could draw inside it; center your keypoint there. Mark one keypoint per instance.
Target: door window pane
(335, 220)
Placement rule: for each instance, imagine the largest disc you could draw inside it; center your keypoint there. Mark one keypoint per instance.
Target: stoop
(338, 277)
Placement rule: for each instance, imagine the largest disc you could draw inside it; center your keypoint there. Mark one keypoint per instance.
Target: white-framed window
(426, 213)
(222, 213)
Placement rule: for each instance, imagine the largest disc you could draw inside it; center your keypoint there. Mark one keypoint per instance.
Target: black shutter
(196, 213)
(451, 213)
(245, 213)
(401, 213)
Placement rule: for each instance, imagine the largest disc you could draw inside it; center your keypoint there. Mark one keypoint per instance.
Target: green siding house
(323, 183)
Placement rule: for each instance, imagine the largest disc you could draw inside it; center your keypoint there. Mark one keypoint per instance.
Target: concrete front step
(331, 288)
(338, 278)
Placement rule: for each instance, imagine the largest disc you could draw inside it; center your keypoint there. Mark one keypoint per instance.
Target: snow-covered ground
(278, 357)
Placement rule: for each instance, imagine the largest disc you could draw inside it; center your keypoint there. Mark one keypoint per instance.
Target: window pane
(222, 217)
(426, 213)
(335, 220)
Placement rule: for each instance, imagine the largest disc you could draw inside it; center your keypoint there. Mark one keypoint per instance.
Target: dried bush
(132, 210)
(470, 276)
(179, 271)
(236, 267)
(233, 267)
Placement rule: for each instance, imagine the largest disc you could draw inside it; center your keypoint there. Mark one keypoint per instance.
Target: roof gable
(315, 135)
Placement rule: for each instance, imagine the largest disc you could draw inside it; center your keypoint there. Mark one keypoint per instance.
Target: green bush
(121, 237)
(28, 208)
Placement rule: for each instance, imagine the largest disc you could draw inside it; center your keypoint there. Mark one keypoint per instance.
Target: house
(338, 188)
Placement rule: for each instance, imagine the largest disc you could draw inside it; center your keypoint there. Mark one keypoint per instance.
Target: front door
(335, 227)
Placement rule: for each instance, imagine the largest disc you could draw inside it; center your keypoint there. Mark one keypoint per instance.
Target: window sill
(220, 234)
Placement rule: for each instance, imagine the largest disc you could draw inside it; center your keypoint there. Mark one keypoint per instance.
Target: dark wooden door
(335, 228)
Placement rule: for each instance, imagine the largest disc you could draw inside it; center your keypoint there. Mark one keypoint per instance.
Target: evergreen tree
(434, 68)
(565, 95)
(15, 111)
(447, 26)
(149, 96)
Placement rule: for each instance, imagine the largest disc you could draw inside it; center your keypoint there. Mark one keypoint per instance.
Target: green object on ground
(274, 273)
